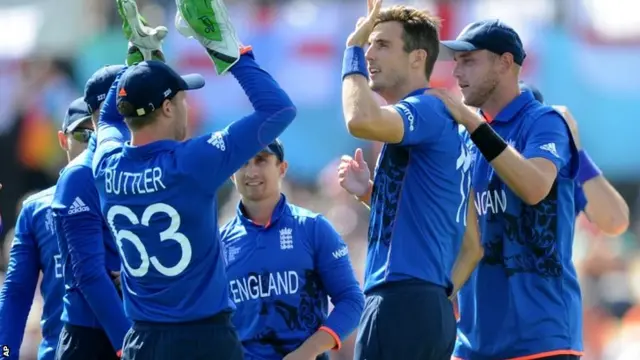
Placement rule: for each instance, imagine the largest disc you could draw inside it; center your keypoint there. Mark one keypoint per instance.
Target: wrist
(587, 169)
(488, 142)
(354, 62)
(365, 193)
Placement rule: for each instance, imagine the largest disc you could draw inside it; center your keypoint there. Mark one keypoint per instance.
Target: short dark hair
(135, 122)
(421, 31)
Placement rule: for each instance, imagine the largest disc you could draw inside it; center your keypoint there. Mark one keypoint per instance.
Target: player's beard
(386, 83)
(478, 94)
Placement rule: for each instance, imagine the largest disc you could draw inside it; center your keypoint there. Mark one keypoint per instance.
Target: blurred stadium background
(581, 53)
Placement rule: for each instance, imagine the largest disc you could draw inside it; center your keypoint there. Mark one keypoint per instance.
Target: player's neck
(146, 136)
(395, 94)
(260, 211)
(499, 100)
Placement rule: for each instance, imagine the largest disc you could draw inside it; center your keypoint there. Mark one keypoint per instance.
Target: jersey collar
(416, 92)
(277, 213)
(145, 150)
(512, 109)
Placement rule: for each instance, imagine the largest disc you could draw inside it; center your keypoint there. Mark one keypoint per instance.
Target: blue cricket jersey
(34, 249)
(280, 278)
(160, 202)
(88, 252)
(419, 199)
(524, 298)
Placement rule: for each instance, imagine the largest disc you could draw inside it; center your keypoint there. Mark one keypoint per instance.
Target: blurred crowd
(37, 82)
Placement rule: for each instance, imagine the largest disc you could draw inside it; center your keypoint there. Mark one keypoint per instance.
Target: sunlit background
(583, 54)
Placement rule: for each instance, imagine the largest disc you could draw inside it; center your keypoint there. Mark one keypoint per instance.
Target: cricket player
(283, 263)
(158, 194)
(595, 196)
(35, 250)
(419, 196)
(523, 301)
(93, 315)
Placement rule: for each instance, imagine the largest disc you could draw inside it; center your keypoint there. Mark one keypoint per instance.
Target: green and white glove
(145, 42)
(208, 22)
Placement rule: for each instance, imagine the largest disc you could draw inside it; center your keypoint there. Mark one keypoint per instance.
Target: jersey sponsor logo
(78, 206)
(343, 251)
(550, 147)
(262, 286)
(286, 239)
(491, 201)
(216, 140)
(410, 118)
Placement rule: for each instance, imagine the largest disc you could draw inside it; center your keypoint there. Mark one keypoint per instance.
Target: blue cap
(148, 84)
(276, 148)
(77, 113)
(97, 87)
(536, 93)
(491, 35)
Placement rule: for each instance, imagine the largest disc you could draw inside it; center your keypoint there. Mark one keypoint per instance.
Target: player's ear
(167, 108)
(418, 58)
(62, 141)
(233, 179)
(284, 166)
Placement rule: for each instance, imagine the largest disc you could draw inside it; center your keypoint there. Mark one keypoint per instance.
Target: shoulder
(301, 215)
(423, 103)
(231, 231)
(71, 176)
(540, 115)
(40, 198)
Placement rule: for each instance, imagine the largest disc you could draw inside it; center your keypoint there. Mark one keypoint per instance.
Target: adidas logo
(217, 141)
(78, 206)
(550, 147)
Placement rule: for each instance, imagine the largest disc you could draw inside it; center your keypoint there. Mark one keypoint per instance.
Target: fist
(354, 174)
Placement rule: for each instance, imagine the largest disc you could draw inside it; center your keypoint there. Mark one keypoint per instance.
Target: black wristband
(490, 144)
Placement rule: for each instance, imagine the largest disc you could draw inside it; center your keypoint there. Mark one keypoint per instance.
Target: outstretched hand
(365, 25)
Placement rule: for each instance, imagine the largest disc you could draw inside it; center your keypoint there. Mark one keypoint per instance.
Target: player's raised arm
(79, 228)
(213, 158)
(111, 130)
(20, 283)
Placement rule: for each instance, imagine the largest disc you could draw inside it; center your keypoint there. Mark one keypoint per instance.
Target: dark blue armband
(588, 169)
(354, 62)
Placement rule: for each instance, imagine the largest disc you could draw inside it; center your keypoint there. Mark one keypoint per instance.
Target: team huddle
(468, 208)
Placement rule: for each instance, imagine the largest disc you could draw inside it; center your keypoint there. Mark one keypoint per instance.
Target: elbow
(355, 300)
(535, 195)
(358, 126)
(614, 224)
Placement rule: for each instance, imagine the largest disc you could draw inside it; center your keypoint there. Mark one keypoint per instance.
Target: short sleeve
(424, 118)
(549, 138)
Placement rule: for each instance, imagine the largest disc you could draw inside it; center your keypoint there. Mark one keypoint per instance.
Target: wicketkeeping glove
(145, 42)
(208, 22)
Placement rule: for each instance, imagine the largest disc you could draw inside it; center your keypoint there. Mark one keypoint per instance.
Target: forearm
(15, 304)
(17, 292)
(523, 176)
(264, 93)
(359, 105)
(111, 126)
(466, 262)
(320, 342)
(605, 206)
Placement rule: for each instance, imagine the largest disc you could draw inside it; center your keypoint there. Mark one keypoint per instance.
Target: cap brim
(75, 124)
(448, 48)
(193, 81)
